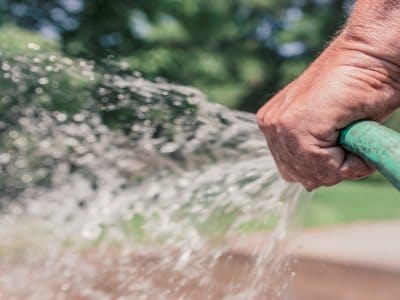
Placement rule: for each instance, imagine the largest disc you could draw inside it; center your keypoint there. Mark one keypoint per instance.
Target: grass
(15, 41)
(347, 202)
(353, 201)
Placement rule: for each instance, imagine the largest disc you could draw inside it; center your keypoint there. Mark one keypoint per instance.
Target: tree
(239, 51)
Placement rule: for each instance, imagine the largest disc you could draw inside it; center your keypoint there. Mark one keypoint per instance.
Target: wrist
(365, 69)
(374, 29)
(362, 57)
(372, 44)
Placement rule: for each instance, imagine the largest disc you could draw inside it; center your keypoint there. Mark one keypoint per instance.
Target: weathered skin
(357, 77)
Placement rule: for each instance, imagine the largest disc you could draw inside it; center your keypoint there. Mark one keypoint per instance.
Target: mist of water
(114, 187)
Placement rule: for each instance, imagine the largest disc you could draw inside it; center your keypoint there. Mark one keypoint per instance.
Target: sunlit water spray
(114, 187)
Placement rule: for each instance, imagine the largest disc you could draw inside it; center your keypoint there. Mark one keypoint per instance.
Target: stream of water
(114, 187)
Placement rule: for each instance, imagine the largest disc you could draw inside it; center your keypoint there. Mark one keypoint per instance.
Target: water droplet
(137, 74)
(19, 164)
(169, 148)
(26, 178)
(61, 117)
(6, 66)
(13, 134)
(91, 232)
(65, 287)
(43, 81)
(4, 158)
(34, 46)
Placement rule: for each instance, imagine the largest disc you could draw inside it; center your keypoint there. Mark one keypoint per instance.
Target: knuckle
(287, 127)
(260, 117)
(288, 117)
(264, 120)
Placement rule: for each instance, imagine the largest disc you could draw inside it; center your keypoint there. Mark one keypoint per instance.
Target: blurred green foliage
(14, 40)
(354, 201)
(239, 51)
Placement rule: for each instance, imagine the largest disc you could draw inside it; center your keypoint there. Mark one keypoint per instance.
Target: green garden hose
(376, 144)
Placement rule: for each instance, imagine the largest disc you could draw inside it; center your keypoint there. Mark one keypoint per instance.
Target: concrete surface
(370, 245)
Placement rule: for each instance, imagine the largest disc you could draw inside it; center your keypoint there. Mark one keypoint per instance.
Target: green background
(240, 52)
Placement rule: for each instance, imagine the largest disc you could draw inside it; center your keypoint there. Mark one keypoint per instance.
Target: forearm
(374, 28)
(357, 77)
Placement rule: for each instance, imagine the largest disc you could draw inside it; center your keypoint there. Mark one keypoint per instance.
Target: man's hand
(302, 122)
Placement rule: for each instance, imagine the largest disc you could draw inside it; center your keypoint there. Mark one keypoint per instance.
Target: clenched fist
(348, 82)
